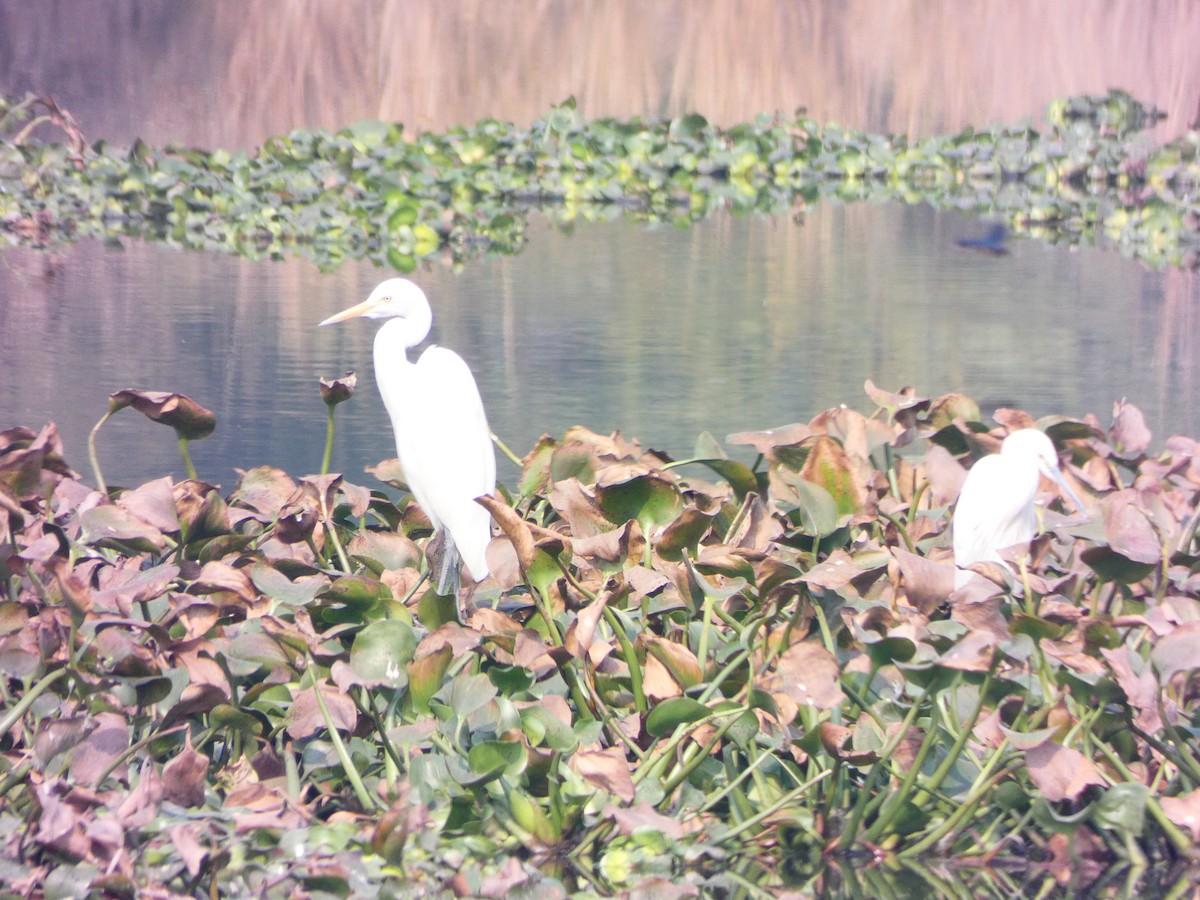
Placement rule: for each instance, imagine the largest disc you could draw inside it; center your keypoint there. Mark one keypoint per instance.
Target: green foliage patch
(372, 191)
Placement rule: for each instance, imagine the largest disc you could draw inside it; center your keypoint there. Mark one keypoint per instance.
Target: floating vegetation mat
(372, 191)
(695, 676)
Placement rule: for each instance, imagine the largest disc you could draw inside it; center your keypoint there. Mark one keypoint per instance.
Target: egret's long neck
(405, 331)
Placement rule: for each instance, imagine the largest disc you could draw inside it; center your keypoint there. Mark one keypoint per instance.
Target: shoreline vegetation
(696, 675)
(372, 191)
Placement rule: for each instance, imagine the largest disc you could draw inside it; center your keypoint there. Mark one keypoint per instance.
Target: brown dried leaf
(1184, 811)
(1014, 419)
(807, 673)
(338, 390)
(186, 842)
(657, 681)
(613, 547)
(126, 587)
(217, 577)
(305, 718)
(1128, 433)
(264, 490)
(107, 741)
(189, 419)
(1178, 651)
(927, 583)
(757, 526)
(643, 815)
(111, 523)
(513, 526)
(511, 875)
(971, 653)
(1059, 772)
(184, 776)
(945, 475)
(766, 442)
(582, 632)
(263, 807)
(55, 736)
(153, 502)
(1128, 529)
(578, 506)
(607, 770)
(837, 571)
(1141, 689)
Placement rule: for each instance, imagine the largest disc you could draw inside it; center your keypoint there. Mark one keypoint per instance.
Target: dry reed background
(230, 73)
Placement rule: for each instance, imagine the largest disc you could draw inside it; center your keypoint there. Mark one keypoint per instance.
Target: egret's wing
(994, 511)
(449, 458)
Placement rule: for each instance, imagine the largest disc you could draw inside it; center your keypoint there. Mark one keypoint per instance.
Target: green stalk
(292, 771)
(907, 784)
(943, 770)
(142, 744)
(627, 651)
(759, 818)
(91, 444)
(1183, 762)
(365, 798)
(715, 684)
(960, 814)
(1180, 841)
(504, 449)
(328, 455)
(28, 699)
(690, 763)
(187, 459)
(867, 790)
(908, 544)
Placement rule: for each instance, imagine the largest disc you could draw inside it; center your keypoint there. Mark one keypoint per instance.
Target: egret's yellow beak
(1058, 478)
(360, 309)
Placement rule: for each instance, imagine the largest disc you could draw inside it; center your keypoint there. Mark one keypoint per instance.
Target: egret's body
(442, 436)
(995, 507)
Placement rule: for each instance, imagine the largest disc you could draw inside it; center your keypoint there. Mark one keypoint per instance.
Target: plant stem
(91, 443)
(187, 458)
(328, 455)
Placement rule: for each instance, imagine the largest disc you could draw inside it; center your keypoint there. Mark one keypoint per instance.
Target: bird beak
(360, 309)
(1057, 477)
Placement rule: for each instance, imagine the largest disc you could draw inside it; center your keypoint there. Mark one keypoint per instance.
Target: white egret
(995, 507)
(442, 436)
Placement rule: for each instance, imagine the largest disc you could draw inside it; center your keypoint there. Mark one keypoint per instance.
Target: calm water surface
(734, 324)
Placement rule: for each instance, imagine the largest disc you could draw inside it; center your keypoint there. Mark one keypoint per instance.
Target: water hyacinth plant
(372, 191)
(720, 676)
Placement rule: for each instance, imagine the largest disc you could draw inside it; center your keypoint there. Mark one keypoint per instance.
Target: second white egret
(995, 507)
(442, 435)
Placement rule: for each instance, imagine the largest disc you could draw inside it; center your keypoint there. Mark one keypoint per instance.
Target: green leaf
(671, 713)
(382, 650)
(282, 589)
(356, 591)
(112, 525)
(817, 511)
(491, 759)
(425, 677)
(542, 727)
(650, 499)
(1123, 808)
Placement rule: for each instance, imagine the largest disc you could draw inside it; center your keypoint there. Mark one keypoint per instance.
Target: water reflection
(734, 324)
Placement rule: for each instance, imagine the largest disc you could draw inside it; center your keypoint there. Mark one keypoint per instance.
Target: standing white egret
(995, 507)
(442, 436)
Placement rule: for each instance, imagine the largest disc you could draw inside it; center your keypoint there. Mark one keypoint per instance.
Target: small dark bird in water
(992, 242)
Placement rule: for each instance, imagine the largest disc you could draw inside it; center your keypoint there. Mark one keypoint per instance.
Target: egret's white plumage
(442, 436)
(995, 507)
